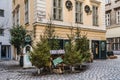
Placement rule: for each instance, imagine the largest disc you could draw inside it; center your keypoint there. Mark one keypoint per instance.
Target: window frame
(17, 16)
(79, 11)
(117, 16)
(107, 2)
(58, 7)
(2, 13)
(1, 32)
(108, 19)
(26, 12)
(95, 16)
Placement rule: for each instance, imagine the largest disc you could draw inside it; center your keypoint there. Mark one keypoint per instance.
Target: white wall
(6, 24)
(6, 21)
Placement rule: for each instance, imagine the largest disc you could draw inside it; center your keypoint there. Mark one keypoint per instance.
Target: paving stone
(98, 70)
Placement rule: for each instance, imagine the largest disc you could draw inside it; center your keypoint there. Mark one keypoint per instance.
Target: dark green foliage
(82, 45)
(50, 34)
(18, 34)
(72, 56)
(77, 49)
(40, 57)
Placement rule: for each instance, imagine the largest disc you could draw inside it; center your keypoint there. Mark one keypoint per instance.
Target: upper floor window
(26, 11)
(107, 1)
(78, 12)
(57, 9)
(95, 15)
(1, 13)
(13, 19)
(118, 16)
(1, 32)
(117, 0)
(108, 18)
(17, 17)
(14, 2)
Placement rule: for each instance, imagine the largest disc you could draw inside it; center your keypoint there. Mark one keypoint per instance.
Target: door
(5, 52)
(103, 49)
(95, 49)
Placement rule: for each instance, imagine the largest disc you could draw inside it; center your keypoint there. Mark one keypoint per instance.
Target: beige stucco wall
(62, 27)
(69, 16)
(113, 32)
(62, 32)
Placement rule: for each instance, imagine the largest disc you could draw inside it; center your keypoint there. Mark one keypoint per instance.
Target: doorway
(99, 49)
(5, 52)
(95, 49)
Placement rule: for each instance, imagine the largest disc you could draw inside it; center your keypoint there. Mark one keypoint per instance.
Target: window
(117, 1)
(78, 12)
(1, 32)
(60, 43)
(14, 2)
(107, 16)
(95, 16)
(107, 1)
(17, 17)
(1, 13)
(113, 43)
(57, 9)
(118, 16)
(26, 12)
(13, 19)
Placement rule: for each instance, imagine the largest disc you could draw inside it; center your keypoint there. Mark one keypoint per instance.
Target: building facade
(113, 24)
(88, 15)
(5, 25)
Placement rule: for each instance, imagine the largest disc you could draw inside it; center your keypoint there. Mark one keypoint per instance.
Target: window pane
(1, 13)
(54, 3)
(78, 12)
(57, 9)
(26, 12)
(59, 3)
(1, 31)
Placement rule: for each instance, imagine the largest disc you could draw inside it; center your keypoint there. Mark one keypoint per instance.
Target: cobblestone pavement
(98, 70)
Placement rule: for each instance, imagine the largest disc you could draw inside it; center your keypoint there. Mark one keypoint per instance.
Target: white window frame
(13, 19)
(118, 16)
(95, 15)
(108, 19)
(2, 13)
(18, 16)
(79, 12)
(57, 8)
(107, 1)
(1, 32)
(26, 11)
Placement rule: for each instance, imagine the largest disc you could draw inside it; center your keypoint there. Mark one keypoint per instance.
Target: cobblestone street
(98, 70)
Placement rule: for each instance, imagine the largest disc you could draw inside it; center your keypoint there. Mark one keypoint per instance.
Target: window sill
(57, 20)
(107, 4)
(79, 22)
(1, 16)
(116, 1)
(1, 34)
(96, 25)
(27, 23)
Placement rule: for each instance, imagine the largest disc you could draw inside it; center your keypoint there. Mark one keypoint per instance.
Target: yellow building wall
(93, 33)
(69, 16)
(62, 32)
